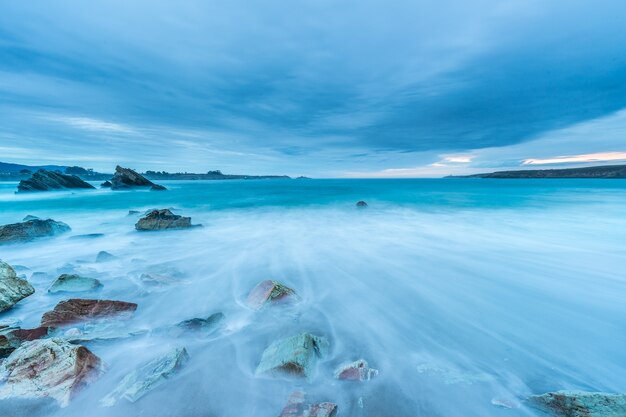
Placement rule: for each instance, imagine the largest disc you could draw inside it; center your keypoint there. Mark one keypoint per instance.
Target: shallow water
(461, 292)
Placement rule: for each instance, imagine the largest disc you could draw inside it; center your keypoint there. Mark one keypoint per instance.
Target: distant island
(18, 172)
(606, 171)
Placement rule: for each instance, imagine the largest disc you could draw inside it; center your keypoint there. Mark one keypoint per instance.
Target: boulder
(148, 377)
(294, 356)
(270, 292)
(355, 371)
(12, 288)
(12, 337)
(297, 406)
(74, 283)
(106, 184)
(125, 178)
(104, 256)
(202, 326)
(44, 180)
(77, 310)
(361, 204)
(30, 230)
(162, 220)
(580, 404)
(48, 368)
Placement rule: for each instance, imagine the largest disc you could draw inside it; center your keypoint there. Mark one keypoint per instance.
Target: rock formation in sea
(355, 371)
(361, 204)
(51, 368)
(162, 220)
(30, 230)
(12, 288)
(76, 310)
(106, 184)
(74, 283)
(126, 178)
(104, 256)
(202, 326)
(148, 377)
(270, 292)
(43, 180)
(294, 356)
(580, 404)
(297, 406)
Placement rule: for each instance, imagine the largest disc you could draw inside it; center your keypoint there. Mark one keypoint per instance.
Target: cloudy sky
(314, 87)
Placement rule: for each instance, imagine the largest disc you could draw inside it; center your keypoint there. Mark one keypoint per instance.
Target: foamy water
(460, 292)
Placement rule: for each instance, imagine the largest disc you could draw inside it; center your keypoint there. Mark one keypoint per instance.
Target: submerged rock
(30, 230)
(44, 180)
(148, 377)
(270, 292)
(361, 204)
(162, 220)
(12, 288)
(96, 331)
(293, 356)
(74, 283)
(297, 406)
(76, 310)
(203, 326)
(356, 371)
(48, 368)
(580, 404)
(125, 178)
(87, 236)
(104, 256)
(157, 280)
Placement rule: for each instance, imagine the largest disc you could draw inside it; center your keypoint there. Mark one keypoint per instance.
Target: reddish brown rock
(12, 337)
(76, 310)
(298, 407)
(356, 371)
(270, 292)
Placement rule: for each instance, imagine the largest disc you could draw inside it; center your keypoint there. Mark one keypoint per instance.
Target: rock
(106, 184)
(157, 187)
(293, 356)
(580, 404)
(12, 337)
(48, 368)
(30, 217)
(87, 236)
(76, 310)
(270, 292)
(361, 204)
(162, 220)
(125, 178)
(12, 288)
(297, 407)
(355, 371)
(157, 279)
(204, 326)
(44, 180)
(133, 212)
(30, 230)
(104, 256)
(148, 377)
(96, 331)
(74, 283)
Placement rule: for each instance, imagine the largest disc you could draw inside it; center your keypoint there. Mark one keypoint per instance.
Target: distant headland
(606, 171)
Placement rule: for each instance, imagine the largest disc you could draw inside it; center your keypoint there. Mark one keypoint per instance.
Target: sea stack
(126, 178)
(43, 180)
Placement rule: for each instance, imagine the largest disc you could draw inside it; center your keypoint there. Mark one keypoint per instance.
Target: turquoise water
(461, 292)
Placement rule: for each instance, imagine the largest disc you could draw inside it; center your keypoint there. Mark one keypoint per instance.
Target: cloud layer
(315, 87)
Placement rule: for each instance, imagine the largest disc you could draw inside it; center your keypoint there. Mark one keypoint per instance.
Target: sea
(467, 295)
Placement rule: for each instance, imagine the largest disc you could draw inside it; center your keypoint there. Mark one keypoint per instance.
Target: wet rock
(12, 288)
(133, 212)
(356, 371)
(87, 236)
(294, 356)
(30, 230)
(204, 326)
(157, 280)
(30, 217)
(77, 310)
(12, 337)
(361, 204)
(148, 377)
(44, 180)
(270, 292)
(162, 220)
(157, 187)
(97, 331)
(104, 256)
(297, 406)
(125, 178)
(580, 404)
(48, 368)
(106, 184)
(74, 283)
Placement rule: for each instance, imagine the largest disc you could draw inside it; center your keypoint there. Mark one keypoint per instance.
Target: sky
(343, 88)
